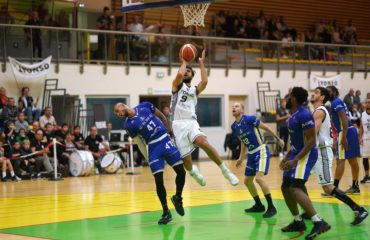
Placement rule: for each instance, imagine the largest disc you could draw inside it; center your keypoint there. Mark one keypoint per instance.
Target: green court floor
(225, 221)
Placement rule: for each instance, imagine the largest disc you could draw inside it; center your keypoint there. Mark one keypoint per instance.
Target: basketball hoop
(194, 14)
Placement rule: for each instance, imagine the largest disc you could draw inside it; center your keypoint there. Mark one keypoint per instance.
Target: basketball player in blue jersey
(148, 124)
(247, 129)
(348, 146)
(298, 163)
(323, 166)
(186, 130)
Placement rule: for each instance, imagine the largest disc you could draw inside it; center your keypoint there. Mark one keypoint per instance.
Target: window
(209, 111)
(108, 104)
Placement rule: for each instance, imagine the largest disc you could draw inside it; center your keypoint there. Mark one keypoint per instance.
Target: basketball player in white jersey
(365, 140)
(185, 127)
(323, 166)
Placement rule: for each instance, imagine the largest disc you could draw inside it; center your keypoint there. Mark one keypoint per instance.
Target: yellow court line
(25, 211)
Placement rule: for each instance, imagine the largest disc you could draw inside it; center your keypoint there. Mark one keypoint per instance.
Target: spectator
(300, 47)
(355, 115)
(261, 22)
(104, 22)
(21, 136)
(31, 133)
(282, 117)
(39, 146)
(14, 155)
(31, 167)
(49, 133)
(349, 99)
(28, 105)
(5, 164)
(47, 118)
(10, 112)
(61, 133)
(65, 151)
(138, 42)
(286, 45)
(357, 98)
(10, 134)
(20, 123)
(350, 36)
(92, 144)
(34, 34)
(3, 98)
(78, 137)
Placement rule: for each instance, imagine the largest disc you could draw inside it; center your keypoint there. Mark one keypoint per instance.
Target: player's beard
(187, 80)
(289, 103)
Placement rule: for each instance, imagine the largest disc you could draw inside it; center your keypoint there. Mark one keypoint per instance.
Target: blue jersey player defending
(298, 163)
(150, 125)
(247, 129)
(348, 146)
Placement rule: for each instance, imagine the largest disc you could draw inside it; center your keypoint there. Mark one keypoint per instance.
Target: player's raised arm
(203, 74)
(180, 75)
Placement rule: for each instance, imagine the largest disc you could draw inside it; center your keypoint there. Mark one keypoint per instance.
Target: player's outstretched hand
(239, 163)
(344, 143)
(281, 142)
(290, 164)
(282, 163)
(201, 59)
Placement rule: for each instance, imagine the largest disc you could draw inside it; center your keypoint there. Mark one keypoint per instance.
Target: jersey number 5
(183, 98)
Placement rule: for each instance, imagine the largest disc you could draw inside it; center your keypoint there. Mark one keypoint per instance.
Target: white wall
(116, 82)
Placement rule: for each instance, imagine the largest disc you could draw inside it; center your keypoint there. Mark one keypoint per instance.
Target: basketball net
(194, 14)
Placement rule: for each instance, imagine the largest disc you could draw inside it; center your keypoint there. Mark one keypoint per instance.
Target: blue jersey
(300, 121)
(338, 105)
(145, 124)
(248, 132)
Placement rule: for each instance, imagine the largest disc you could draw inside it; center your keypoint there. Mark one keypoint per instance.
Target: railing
(87, 46)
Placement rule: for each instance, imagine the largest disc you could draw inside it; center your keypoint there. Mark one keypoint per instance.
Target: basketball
(188, 52)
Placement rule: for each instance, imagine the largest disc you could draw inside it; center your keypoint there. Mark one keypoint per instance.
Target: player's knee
(259, 177)
(201, 142)
(159, 179)
(248, 180)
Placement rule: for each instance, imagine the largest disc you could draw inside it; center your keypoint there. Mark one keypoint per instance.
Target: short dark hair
(48, 124)
(24, 88)
(300, 94)
(191, 69)
(324, 92)
(334, 89)
(76, 126)
(65, 124)
(105, 9)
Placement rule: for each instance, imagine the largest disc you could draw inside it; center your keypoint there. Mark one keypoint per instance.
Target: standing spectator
(42, 150)
(9, 113)
(29, 105)
(349, 99)
(78, 137)
(355, 115)
(282, 117)
(3, 98)
(104, 22)
(357, 98)
(92, 144)
(286, 45)
(5, 163)
(31, 167)
(350, 36)
(34, 34)
(14, 155)
(47, 118)
(20, 123)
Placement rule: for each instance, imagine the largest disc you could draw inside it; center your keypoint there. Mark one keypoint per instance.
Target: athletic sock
(344, 198)
(4, 174)
(257, 200)
(297, 218)
(336, 182)
(165, 208)
(12, 173)
(269, 201)
(355, 183)
(316, 218)
(223, 167)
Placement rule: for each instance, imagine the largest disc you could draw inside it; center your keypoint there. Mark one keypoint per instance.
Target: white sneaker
(231, 177)
(281, 156)
(197, 176)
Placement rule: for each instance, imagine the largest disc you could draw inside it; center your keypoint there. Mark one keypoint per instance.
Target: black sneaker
(360, 216)
(318, 228)
(305, 216)
(270, 212)
(6, 179)
(255, 208)
(353, 190)
(366, 179)
(177, 202)
(166, 218)
(295, 226)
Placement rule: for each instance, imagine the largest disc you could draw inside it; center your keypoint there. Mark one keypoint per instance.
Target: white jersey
(324, 137)
(183, 103)
(365, 121)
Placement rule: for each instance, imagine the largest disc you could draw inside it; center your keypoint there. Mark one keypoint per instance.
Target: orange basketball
(188, 52)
